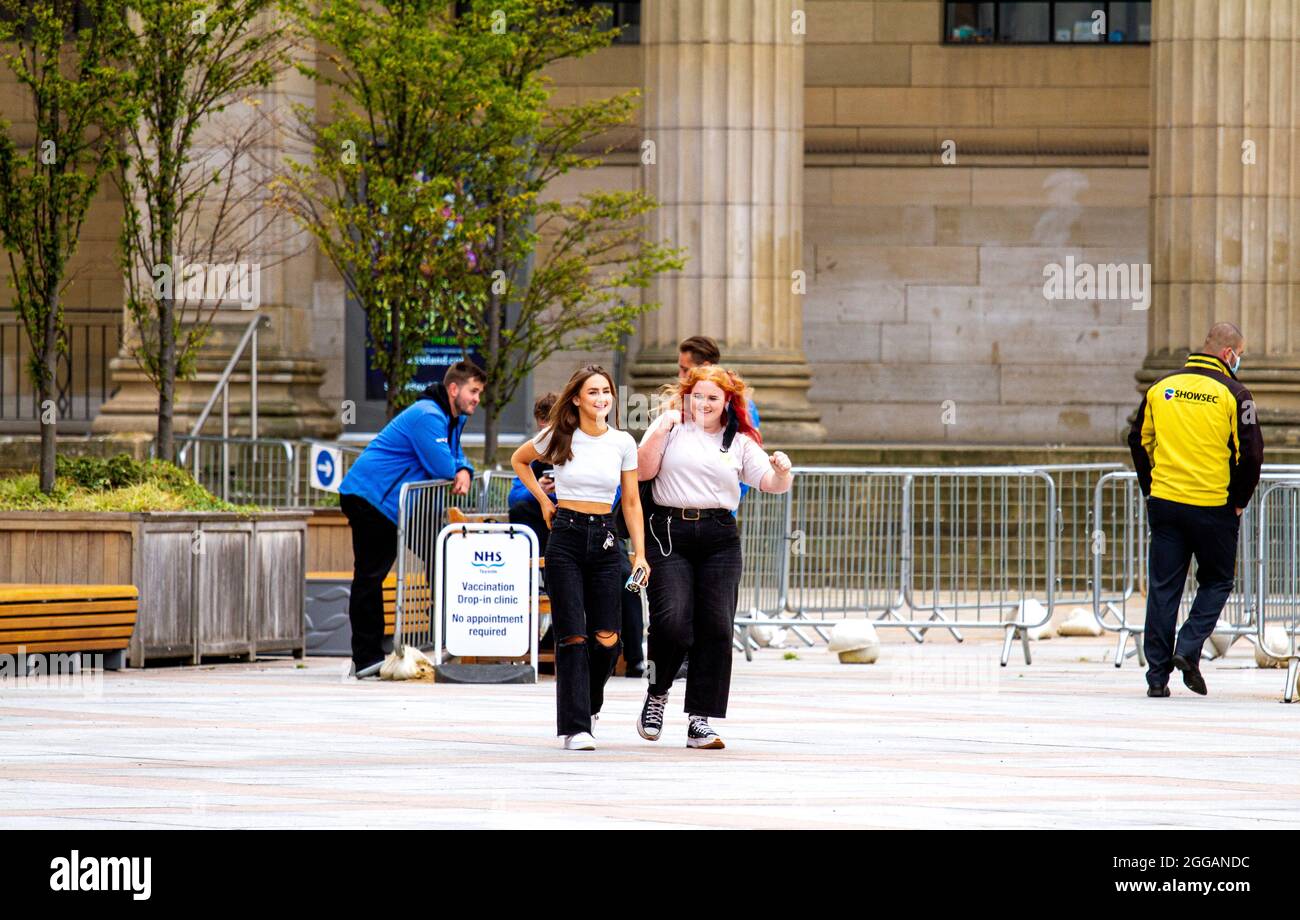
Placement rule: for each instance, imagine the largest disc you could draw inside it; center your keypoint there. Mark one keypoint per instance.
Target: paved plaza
(930, 736)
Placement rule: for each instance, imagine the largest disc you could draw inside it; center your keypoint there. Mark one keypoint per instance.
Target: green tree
(386, 192)
(554, 274)
(65, 56)
(185, 216)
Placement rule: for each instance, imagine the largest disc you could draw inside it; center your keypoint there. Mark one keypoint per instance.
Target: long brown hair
(565, 417)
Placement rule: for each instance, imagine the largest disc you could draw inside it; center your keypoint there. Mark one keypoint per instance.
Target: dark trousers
(633, 619)
(529, 514)
(694, 582)
(374, 549)
(1179, 532)
(583, 581)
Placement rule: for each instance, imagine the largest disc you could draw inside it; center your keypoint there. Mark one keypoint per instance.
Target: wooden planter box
(210, 583)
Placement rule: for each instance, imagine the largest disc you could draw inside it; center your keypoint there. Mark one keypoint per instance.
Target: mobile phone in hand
(637, 580)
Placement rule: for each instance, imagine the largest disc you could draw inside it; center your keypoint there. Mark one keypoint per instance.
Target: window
(1047, 23)
(80, 17)
(622, 14)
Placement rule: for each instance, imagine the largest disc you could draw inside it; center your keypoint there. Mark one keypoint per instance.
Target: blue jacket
(519, 492)
(753, 420)
(422, 442)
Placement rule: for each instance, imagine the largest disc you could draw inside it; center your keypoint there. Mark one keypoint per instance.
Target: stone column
(1225, 192)
(723, 84)
(289, 375)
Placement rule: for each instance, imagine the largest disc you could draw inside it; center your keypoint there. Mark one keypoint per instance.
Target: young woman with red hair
(698, 456)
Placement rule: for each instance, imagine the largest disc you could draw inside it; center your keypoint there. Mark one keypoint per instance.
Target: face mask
(1237, 363)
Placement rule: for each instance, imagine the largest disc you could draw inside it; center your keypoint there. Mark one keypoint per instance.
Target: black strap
(729, 435)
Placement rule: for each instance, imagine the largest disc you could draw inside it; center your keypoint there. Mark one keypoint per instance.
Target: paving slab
(931, 736)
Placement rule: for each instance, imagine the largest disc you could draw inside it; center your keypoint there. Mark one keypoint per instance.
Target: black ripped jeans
(583, 579)
(694, 582)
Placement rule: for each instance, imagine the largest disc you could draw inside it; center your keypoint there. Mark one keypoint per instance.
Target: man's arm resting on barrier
(432, 447)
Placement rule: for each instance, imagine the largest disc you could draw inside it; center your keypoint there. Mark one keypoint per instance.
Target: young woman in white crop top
(698, 457)
(591, 459)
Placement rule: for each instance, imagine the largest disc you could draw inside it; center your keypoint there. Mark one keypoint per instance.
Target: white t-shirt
(696, 473)
(596, 469)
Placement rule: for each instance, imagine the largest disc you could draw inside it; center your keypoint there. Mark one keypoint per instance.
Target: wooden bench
(69, 619)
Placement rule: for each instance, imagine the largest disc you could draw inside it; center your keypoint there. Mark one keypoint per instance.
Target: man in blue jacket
(421, 443)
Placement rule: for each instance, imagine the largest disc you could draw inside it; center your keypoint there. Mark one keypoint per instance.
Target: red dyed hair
(732, 387)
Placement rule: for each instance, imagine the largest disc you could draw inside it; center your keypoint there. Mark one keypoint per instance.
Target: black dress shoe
(1191, 675)
(1158, 691)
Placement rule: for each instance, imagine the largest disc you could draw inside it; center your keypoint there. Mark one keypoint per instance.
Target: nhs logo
(488, 560)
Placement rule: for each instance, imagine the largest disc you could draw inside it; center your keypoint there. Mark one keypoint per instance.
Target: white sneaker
(582, 741)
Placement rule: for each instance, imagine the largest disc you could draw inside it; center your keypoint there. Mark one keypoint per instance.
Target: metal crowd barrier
(276, 472)
(914, 548)
(1119, 538)
(1277, 580)
(272, 472)
(979, 544)
(1075, 484)
(422, 509)
(1119, 550)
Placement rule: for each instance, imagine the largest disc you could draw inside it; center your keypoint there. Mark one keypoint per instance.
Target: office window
(622, 14)
(81, 18)
(1047, 23)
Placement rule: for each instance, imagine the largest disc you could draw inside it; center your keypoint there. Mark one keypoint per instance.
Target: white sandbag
(855, 641)
(1079, 622)
(766, 636)
(1219, 643)
(412, 664)
(1274, 641)
(1030, 611)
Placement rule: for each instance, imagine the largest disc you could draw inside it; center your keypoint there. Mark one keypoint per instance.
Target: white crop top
(597, 466)
(696, 473)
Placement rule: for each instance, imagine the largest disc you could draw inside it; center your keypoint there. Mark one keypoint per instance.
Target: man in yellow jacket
(1197, 450)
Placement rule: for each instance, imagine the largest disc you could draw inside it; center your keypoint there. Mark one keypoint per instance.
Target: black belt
(695, 514)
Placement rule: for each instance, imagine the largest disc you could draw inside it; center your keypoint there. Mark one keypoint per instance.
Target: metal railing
(271, 472)
(421, 514)
(82, 377)
(1277, 582)
(1120, 544)
(222, 389)
(966, 547)
(276, 472)
(915, 548)
(980, 544)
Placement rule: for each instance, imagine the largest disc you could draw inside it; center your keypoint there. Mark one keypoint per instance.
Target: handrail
(222, 389)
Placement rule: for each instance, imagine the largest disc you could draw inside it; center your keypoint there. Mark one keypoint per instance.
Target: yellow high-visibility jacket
(1196, 438)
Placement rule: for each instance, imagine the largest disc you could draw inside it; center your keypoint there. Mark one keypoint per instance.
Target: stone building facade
(872, 213)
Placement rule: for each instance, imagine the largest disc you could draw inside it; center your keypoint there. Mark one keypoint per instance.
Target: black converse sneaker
(651, 721)
(700, 735)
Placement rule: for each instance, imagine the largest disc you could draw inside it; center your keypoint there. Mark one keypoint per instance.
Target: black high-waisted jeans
(694, 582)
(583, 579)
